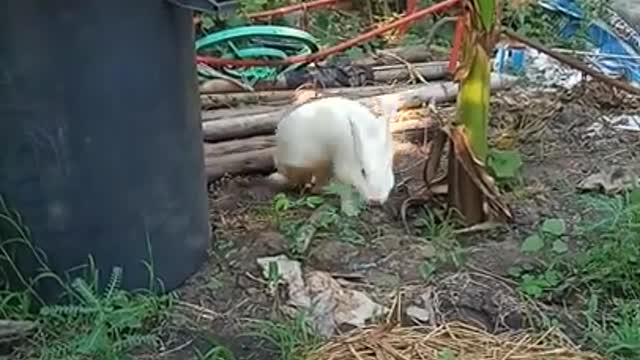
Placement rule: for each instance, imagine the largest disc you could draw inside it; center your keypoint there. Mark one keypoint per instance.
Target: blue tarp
(616, 43)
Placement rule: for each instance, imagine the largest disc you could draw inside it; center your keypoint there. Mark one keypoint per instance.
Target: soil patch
(562, 141)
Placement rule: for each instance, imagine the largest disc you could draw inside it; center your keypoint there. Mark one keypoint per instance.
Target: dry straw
(458, 340)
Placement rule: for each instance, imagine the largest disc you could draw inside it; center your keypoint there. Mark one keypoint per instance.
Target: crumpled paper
(329, 303)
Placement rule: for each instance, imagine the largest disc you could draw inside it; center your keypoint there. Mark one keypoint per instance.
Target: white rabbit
(341, 138)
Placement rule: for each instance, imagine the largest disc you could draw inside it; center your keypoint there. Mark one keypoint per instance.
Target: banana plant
(470, 189)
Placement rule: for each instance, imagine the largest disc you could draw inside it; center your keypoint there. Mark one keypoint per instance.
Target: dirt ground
(560, 145)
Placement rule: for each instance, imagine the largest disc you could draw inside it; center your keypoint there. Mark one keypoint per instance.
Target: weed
(615, 332)
(216, 352)
(250, 6)
(537, 284)
(440, 234)
(327, 218)
(504, 166)
(434, 230)
(214, 284)
(274, 278)
(609, 266)
(606, 270)
(552, 232)
(528, 18)
(105, 325)
(421, 29)
(282, 202)
(532, 21)
(548, 240)
(292, 338)
(15, 305)
(447, 354)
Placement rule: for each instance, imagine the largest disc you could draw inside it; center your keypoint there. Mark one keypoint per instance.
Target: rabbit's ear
(357, 145)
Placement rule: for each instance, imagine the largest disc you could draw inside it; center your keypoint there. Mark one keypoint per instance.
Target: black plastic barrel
(101, 137)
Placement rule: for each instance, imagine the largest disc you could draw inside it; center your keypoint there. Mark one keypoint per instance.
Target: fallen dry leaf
(612, 182)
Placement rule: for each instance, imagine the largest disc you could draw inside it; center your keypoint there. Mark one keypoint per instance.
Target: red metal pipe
(288, 9)
(457, 42)
(412, 5)
(439, 7)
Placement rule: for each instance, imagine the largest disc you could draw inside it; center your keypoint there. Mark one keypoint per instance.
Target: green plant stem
(473, 103)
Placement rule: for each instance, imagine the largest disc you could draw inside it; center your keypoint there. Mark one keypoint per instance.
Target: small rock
(392, 243)
(269, 243)
(419, 314)
(411, 272)
(382, 279)
(332, 255)
(423, 251)
(526, 216)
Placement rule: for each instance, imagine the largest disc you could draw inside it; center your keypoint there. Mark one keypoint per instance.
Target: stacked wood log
(241, 141)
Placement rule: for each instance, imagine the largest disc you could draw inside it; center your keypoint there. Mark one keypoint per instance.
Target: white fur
(325, 130)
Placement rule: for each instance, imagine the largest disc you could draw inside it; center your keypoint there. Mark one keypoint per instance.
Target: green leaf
(314, 201)
(355, 53)
(634, 197)
(532, 289)
(427, 269)
(515, 271)
(551, 277)
(532, 244)
(351, 204)
(532, 286)
(487, 12)
(236, 20)
(555, 227)
(446, 354)
(273, 271)
(207, 22)
(560, 247)
(504, 163)
(281, 202)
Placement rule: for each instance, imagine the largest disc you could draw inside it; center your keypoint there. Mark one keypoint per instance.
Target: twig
(236, 82)
(12, 330)
(411, 166)
(173, 350)
(484, 226)
(413, 73)
(406, 204)
(436, 26)
(201, 311)
(258, 280)
(595, 54)
(491, 275)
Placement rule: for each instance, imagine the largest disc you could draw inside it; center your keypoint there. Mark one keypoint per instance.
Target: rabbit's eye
(364, 173)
